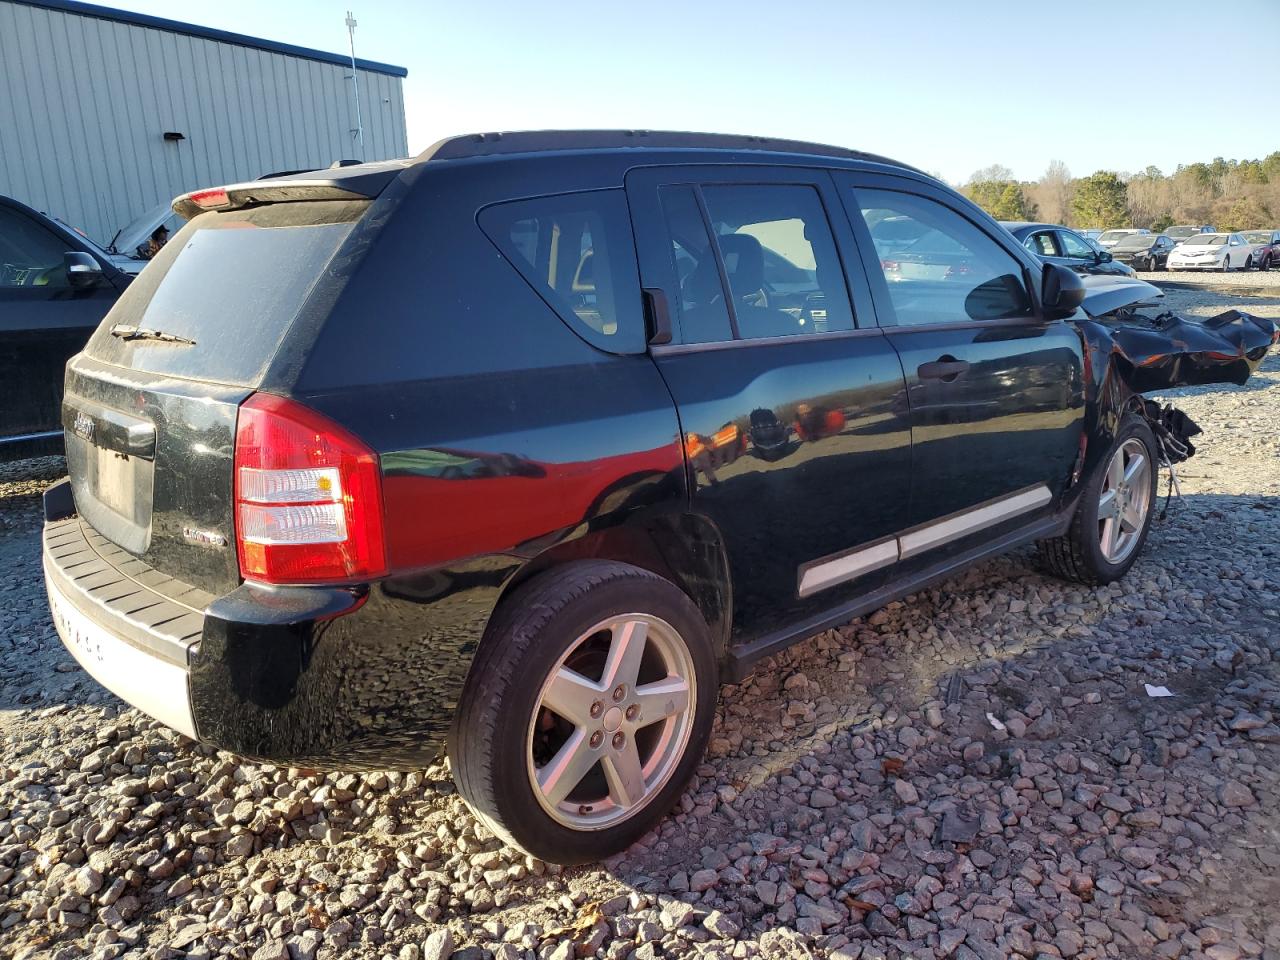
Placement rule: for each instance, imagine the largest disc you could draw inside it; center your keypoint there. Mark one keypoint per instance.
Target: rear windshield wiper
(127, 331)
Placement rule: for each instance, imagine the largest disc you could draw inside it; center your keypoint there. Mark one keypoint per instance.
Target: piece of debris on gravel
(856, 801)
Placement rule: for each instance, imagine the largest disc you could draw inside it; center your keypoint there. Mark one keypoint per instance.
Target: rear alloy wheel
(1248, 263)
(587, 709)
(1113, 514)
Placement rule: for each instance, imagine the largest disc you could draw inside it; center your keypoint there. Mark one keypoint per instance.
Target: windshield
(1115, 234)
(1258, 236)
(1179, 232)
(1207, 240)
(1135, 241)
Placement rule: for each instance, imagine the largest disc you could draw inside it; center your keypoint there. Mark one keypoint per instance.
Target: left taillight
(308, 497)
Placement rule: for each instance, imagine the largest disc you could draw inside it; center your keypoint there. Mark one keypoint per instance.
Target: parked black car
(1144, 251)
(1055, 244)
(459, 450)
(55, 287)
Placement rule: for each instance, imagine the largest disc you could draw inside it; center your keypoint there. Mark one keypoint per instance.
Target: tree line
(1228, 194)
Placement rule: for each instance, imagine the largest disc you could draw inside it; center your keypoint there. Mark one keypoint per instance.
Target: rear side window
(938, 266)
(576, 251)
(234, 282)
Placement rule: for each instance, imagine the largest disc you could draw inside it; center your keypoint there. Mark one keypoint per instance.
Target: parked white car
(1111, 237)
(1213, 251)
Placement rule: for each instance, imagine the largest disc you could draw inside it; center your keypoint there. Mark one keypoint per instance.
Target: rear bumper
(322, 677)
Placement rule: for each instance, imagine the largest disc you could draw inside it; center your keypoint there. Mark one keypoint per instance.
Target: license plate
(115, 481)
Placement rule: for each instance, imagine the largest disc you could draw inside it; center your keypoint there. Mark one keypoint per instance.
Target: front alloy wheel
(1125, 501)
(1113, 511)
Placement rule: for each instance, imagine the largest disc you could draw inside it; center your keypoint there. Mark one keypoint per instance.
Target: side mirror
(82, 269)
(1105, 257)
(1061, 291)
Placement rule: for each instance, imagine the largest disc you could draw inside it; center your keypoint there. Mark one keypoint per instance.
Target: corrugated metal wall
(85, 102)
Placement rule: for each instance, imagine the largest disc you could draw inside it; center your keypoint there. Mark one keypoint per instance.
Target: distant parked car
(1111, 237)
(1144, 251)
(55, 286)
(1090, 234)
(1055, 244)
(1212, 251)
(1184, 231)
(1267, 252)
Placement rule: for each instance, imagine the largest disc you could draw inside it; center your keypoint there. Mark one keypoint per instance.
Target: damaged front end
(1133, 347)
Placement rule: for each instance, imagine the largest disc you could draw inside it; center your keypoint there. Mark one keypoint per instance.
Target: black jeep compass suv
(523, 446)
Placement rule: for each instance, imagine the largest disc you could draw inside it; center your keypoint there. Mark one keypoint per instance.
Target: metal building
(105, 114)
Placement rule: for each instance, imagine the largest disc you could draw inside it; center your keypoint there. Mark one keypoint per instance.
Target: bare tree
(1053, 193)
(996, 172)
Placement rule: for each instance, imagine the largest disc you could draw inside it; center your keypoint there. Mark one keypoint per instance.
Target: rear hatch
(151, 404)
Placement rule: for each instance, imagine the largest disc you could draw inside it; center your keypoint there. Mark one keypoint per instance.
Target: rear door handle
(945, 369)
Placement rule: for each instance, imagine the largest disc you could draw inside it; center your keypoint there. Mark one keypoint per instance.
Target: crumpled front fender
(1129, 354)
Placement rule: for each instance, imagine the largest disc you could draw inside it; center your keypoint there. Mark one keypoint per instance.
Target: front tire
(1226, 264)
(1113, 516)
(587, 708)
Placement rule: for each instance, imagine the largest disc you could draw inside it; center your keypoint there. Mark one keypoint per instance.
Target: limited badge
(203, 538)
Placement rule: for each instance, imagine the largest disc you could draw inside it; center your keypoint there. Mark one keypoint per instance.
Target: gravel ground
(976, 772)
(1253, 283)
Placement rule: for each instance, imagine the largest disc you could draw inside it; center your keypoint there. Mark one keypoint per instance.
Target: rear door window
(234, 282)
(577, 253)
(1042, 244)
(952, 272)
(773, 255)
(30, 255)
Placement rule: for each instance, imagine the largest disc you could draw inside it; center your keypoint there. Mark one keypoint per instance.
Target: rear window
(233, 282)
(576, 251)
(1135, 241)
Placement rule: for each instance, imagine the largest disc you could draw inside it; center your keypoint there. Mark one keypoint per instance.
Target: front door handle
(946, 369)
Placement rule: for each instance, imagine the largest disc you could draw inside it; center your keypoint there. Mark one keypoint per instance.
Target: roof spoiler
(359, 182)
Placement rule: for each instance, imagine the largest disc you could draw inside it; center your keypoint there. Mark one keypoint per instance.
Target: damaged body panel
(1134, 347)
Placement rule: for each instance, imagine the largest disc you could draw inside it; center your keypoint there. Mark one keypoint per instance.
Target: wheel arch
(684, 548)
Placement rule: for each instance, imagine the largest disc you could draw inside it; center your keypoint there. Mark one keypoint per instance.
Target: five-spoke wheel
(1112, 513)
(586, 710)
(1125, 501)
(611, 722)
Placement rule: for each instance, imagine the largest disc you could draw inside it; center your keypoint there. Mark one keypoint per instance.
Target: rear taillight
(308, 497)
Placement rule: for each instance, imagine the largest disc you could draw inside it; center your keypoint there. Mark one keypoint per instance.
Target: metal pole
(355, 82)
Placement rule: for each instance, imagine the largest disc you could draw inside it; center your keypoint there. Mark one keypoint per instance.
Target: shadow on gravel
(892, 783)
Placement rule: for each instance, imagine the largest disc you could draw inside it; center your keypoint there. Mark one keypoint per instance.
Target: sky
(949, 87)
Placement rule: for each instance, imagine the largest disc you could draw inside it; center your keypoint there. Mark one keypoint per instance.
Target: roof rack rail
(538, 141)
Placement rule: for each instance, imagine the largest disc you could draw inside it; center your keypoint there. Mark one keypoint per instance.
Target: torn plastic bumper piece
(1167, 351)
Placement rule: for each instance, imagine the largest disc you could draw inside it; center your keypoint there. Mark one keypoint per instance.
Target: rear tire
(1120, 492)
(550, 745)
(1248, 263)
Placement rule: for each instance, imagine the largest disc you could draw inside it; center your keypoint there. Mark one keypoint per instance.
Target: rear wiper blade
(126, 331)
